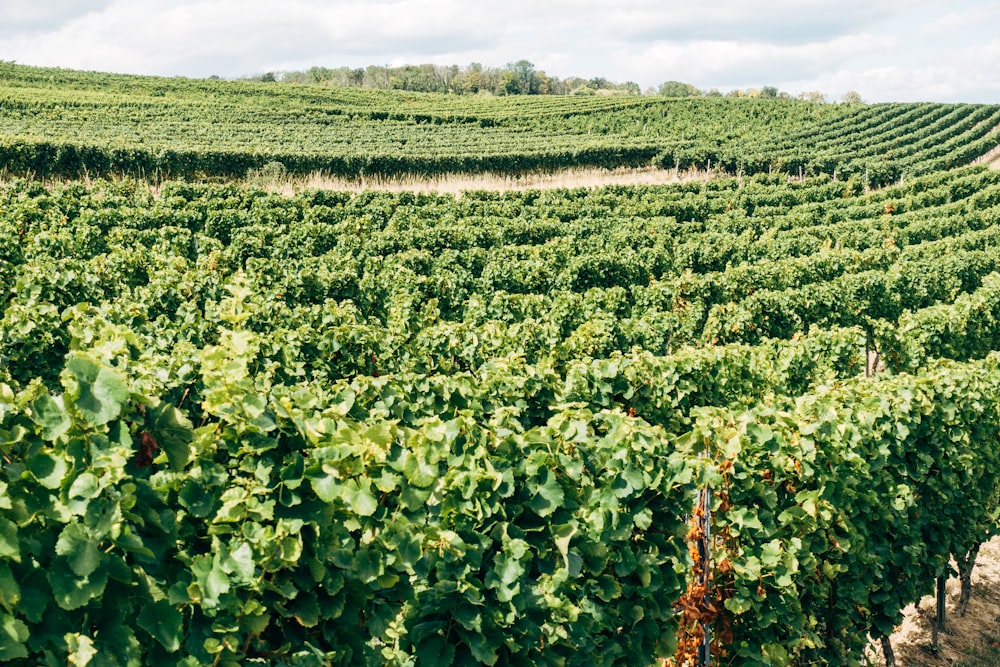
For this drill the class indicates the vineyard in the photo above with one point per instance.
(61, 123)
(243, 428)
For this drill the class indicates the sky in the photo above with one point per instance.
(886, 50)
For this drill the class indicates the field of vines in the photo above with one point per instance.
(240, 428)
(68, 124)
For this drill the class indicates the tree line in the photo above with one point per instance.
(515, 78)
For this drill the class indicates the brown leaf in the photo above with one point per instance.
(147, 450)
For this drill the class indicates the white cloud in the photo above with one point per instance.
(244, 36)
(732, 64)
(777, 21)
(21, 16)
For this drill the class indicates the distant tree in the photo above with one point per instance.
(374, 77)
(678, 89)
(340, 77)
(524, 76)
(509, 84)
(470, 80)
(517, 78)
(769, 92)
(813, 96)
(557, 86)
(852, 97)
(319, 74)
(449, 76)
(492, 78)
(544, 84)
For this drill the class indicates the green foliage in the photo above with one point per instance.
(397, 428)
(678, 89)
(157, 128)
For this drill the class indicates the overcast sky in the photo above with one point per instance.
(888, 50)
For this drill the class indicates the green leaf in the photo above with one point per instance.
(13, 634)
(241, 562)
(776, 654)
(608, 588)
(81, 649)
(99, 393)
(9, 545)
(643, 519)
(381, 433)
(358, 494)
(481, 650)
(738, 605)
(327, 488)
(71, 591)
(667, 645)
(761, 433)
(902, 430)
(85, 486)
(80, 550)
(172, 431)
(770, 553)
(102, 515)
(366, 565)
(10, 591)
(257, 621)
(196, 499)
(48, 413)
(211, 579)
(435, 651)
(164, 622)
(35, 596)
(417, 471)
(408, 546)
(305, 609)
(6, 400)
(469, 617)
(562, 536)
(548, 497)
(49, 470)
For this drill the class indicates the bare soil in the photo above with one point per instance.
(455, 184)
(972, 640)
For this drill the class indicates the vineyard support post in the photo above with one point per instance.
(868, 352)
(705, 556)
(887, 652)
(941, 601)
(939, 618)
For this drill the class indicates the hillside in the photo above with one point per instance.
(63, 123)
(575, 426)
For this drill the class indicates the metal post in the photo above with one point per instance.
(940, 602)
(705, 556)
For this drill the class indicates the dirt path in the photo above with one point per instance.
(456, 183)
(965, 638)
(992, 157)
